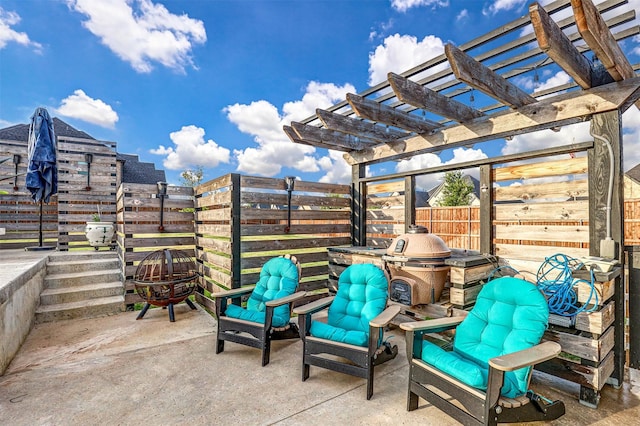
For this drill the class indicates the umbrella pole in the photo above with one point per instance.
(40, 233)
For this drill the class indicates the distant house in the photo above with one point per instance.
(632, 183)
(436, 194)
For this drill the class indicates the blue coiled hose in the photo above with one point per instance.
(555, 280)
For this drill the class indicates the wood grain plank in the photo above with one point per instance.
(331, 137)
(567, 166)
(381, 113)
(422, 97)
(479, 76)
(595, 32)
(358, 128)
(557, 45)
(560, 110)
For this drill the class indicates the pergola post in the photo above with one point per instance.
(409, 202)
(236, 253)
(486, 209)
(358, 206)
(606, 196)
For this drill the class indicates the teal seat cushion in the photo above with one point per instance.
(509, 315)
(278, 278)
(362, 296)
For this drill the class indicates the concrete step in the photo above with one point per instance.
(69, 266)
(83, 309)
(52, 296)
(82, 278)
(72, 256)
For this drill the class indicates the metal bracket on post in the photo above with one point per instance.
(289, 183)
(162, 194)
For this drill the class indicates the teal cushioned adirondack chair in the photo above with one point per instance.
(268, 309)
(489, 366)
(354, 327)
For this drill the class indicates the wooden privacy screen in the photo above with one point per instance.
(241, 223)
(138, 218)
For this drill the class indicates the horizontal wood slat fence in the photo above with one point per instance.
(138, 226)
(241, 222)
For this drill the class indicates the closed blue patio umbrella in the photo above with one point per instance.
(42, 170)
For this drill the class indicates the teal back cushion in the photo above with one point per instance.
(362, 295)
(278, 278)
(509, 315)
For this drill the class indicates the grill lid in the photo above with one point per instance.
(418, 243)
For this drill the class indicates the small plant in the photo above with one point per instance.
(96, 217)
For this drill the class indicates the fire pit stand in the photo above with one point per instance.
(165, 278)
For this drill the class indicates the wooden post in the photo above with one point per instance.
(409, 202)
(486, 209)
(236, 264)
(609, 126)
(358, 206)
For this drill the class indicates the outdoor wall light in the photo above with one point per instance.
(290, 182)
(162, 194)
(16, 161)
(88, 158)
(484, 188)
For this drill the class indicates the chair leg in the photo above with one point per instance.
(219, 342)
(412, 399)
(266, 350)
(305, 370)
(370, 380)
(220, 346)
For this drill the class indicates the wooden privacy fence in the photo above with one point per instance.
(538, 209)
(86, 186)
(81, 194)
(138, 226)
(241, 222)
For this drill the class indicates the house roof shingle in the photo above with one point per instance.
(136, 171)
(20, 132)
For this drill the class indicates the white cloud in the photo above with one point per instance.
(264, 122)
(337, 169)
(577, 133)
(400, 53)
(404, 5)
(190, 149)
(424, 161)
(463, 15)
(85, 108)
(631, 137)
(7, 34)
(636, 51)
(149, 34)
(501, 5)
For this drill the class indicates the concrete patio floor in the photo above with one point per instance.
(116, 370)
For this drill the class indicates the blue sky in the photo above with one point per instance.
(210, 83)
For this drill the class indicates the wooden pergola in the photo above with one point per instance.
(422, 111)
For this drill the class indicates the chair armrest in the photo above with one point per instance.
(287, 299)
(385, 316)
(313, 307)
(527, 357)
(434, 325)
(234, 292)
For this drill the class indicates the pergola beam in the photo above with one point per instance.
(559, 110)
(422, 97)
(353, 126)
(557, 45)
(595, 32)
(295, 138)
(479, 76)
(381, 113)
(315, 134)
